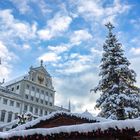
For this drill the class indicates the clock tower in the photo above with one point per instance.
(40, 76)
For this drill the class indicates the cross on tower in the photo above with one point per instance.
(109, 26)
(41, 62)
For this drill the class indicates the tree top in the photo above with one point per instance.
(109, 26)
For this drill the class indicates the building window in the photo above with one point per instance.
(38, 90)
(32, 98)
(42, 91)
(50, 104)
(17, 87)
(46, 102)
(46, 112)
(9, 117)
(16, 115)
(3, 112)
(12, 88)
(5, 101)
(47, 93)
(17, 104)
(26, 96)
(27, 86)
(33, 88)
(11, 103)
(25, 107)
(41, 101)
(31, 109)
(36, 110)
(37, 100)
(41, 111)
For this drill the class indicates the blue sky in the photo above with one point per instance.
(68, 36)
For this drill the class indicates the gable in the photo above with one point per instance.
(40, 76)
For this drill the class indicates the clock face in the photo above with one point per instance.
(40, 78)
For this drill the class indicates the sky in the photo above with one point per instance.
(68, 36)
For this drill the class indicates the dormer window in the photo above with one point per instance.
(27, 86)
(12, 88)
(17, 87)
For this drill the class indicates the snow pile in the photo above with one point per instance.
(81, 128)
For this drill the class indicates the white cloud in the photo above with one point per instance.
(135, 65)
(135, 51)
(53, 54)
(13, 29)
(49, 57)
(43, 7)
(22, 6)
(26, 47)
(94, 10)
(95, 51)
(45, 34)
(6, 58)
(58, 49)
(80, 35)
(90, 7)
(55, 26)
(75, 67)
(76, 63)
(135, 23)
(77, 89)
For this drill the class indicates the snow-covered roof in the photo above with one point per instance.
(30, 113)
(15, 80)
(10, 124)
(81, 128)
(6, 90)
(54, 114)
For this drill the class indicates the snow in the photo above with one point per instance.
(87, 114)
(31, 114)
(57, 113)
(9, 124)
(15, 80)
(81, 128)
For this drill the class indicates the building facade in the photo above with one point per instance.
(32, 93)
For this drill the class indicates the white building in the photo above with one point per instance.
(33, 93)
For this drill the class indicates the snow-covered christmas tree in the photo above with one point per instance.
(119, 98)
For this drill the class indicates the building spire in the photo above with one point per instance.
(2, 81)
(69, 108)
(41, 63)
(109, 26)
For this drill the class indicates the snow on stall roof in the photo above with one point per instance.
(53, 114)
(15, 80)
(30, 113)
(9, 124)
(81, 128)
